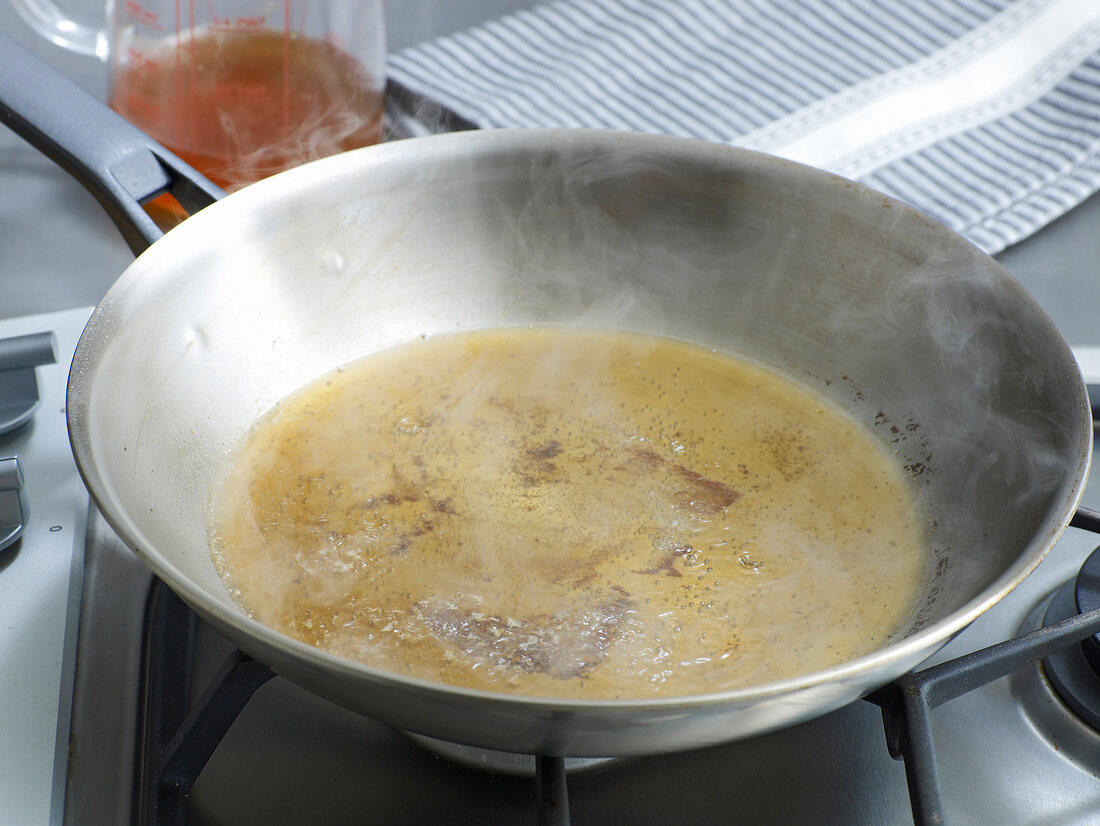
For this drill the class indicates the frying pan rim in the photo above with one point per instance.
(927, 640)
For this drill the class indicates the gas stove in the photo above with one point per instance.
(103, 665)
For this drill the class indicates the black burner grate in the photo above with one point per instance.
(176, 742)
(908, 702)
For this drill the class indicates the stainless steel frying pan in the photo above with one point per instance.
(889, 314)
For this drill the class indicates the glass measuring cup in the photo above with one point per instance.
(240, 89)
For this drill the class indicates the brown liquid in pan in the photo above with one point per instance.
(574, 514)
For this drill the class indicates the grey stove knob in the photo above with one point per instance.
(13, 502)
(18, 387)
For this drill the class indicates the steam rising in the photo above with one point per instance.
(911, 332)
(893, 318)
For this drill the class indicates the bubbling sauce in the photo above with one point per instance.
(567, 513)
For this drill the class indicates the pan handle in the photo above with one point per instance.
(118, 163)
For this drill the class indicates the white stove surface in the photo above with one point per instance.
(40, 580)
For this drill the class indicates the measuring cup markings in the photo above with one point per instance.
(142, 15)
(229, 24)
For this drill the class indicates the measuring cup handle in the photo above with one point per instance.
(54, 24)
(115, 161)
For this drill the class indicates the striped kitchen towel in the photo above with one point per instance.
(983, 113)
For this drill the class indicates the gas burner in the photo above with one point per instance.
(1074, 672)
(503, 762)
(1051, 724)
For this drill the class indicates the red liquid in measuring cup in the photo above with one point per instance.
(242, 106)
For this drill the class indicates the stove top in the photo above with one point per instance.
(1009, 751)
(40, 585)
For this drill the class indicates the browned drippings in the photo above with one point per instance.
(569, 513)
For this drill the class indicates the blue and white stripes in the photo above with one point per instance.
(999, 182)
(983, 113)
